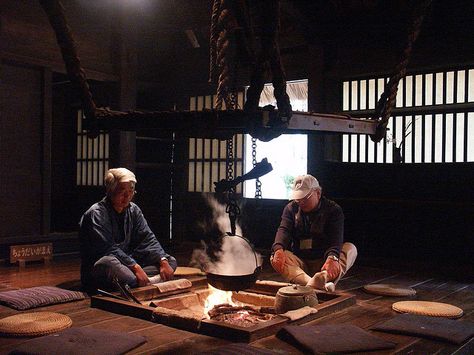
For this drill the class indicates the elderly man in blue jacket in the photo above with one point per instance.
(116, 241)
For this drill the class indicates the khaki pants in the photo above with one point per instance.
(299, 271)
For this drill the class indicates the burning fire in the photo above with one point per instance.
(218, 297)
(220, 307)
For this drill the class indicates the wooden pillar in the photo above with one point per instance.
(123, 143)
(316, 103)
(47, 142)
(324, 93)
(122, 149)
(333, 90)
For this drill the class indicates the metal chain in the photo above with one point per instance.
(258, 184)
(232, 208)
(230, 159)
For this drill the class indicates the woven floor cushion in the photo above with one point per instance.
(81, 341)
(389, 290)
(439, 328)
(33, 297)
(34, 324)
(332, 338)
(427, 308)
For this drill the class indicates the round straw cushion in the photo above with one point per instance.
(389, 290)
(34, 324)
(426, 308)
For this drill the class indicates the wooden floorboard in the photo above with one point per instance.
(369, 310)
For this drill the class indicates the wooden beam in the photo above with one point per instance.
(55, 66)
(419, 110)
(222, 124)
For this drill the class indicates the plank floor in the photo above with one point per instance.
(161, 339)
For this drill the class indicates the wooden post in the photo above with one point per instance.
(47, 142)
(123, 143)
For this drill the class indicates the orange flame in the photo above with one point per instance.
(217, 297)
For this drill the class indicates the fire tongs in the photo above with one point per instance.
(125, 290)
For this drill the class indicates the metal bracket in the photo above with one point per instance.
(333, 123)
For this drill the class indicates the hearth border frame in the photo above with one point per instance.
(332, 303)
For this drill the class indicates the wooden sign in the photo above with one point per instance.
(31, 252)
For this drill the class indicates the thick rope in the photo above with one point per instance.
(213, 40)
(267, 14)
(226, 55)
(388, 98)
(55, 12)
(278, 74)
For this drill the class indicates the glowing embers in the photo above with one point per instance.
(244, 316)
(215, 298)
(220, 306)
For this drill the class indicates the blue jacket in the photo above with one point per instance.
(100, 236)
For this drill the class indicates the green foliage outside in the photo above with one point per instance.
(288, 180)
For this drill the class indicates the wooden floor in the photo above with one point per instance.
(368, 310)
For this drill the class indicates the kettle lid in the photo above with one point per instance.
(296, 290)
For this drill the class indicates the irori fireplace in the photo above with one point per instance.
(252, 319)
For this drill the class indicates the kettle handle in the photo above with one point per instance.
(250, 244)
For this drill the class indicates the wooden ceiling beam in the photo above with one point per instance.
(225, 123)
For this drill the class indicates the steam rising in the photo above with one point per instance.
(235, 257)
(221, 218)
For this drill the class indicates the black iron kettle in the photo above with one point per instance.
(238, 282)
(235, 282)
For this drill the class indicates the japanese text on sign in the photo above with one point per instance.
(30, 252)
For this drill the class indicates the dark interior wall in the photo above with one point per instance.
(38, 123)
(421, 211)
(27, 35)
(63, 197)
(21, 98)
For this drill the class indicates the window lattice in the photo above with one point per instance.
(92, 156)
(433, 121)
(207, 157)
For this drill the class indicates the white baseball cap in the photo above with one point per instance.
(302, 186)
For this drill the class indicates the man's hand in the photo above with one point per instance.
(142, 277)
(166, 271)
(278, 260)
(333, 268)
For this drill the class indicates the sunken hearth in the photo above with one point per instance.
(242, 316)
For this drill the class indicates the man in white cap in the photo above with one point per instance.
(116, 241)
(309, 246)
